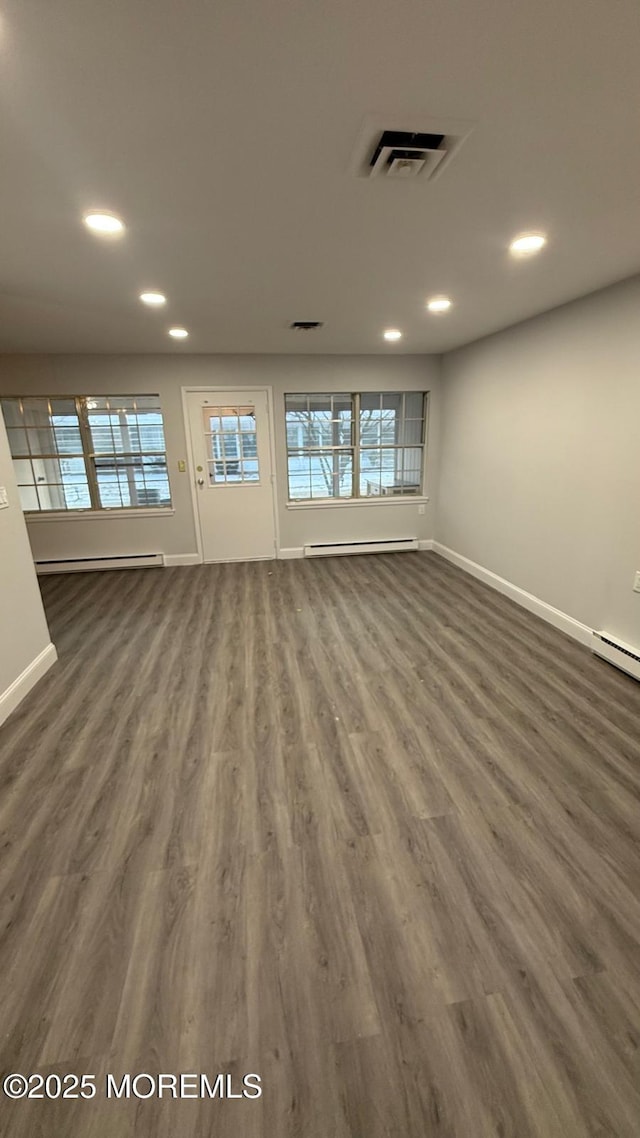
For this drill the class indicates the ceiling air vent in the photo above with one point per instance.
(403, 154)
(305, 325)
(418, 148)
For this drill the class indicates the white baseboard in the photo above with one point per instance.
(182, 559)
(290, 554)
(425, 543)
(16, 691)
(556, 617)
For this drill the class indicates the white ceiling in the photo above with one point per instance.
(224, 134)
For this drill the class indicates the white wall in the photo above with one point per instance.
(166, 375)
(539, 478)
(24, 636)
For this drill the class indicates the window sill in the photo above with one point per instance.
(351, 503)
(103, 515)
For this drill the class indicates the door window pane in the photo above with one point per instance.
(231, 445)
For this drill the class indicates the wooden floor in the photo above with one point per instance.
(358, 825)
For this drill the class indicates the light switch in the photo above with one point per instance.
(182, 466)
(4, 501)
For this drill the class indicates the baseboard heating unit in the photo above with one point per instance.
(85, 564)
(395, 545)
(622, 655)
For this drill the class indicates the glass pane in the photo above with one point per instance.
(378, 422)
(153, 484)
(320, 403)
(150, 402)
(151, 432)
(18, 442)
(23, 472)
(414, 405)
(392, 401)
(250, 470)
(318, 429)
(411, 469)
(77, 495)
(378, 471)
(296, 403)
(67, 437)
(42, 440)
(371, 484)
(36, 412)
(73, 468)
(342, 405)
(47, 470)
(102, 439)
(370, 401)
(28, 497)
(12, 413)
(64, 407)
(118, 403)
(110, 493)
(331, 474)
(249, 444)
(51, 498)
(129, 436)
(299, 469)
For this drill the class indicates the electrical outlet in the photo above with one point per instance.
(636, 582)
(4, 501)
(421, 509)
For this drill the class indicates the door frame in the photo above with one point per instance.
(267, 390)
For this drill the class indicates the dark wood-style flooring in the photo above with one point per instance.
(360, 826)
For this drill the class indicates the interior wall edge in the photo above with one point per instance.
(560, 620)
(28, 678)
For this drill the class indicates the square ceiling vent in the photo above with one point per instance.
(407, 150)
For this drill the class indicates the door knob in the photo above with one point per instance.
(201, 482)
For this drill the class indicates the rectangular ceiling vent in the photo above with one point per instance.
(403, 154)
(415, 149)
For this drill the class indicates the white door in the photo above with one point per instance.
(232, 470)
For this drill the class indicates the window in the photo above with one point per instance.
(93, 452)
(364, 445)
(231, 442)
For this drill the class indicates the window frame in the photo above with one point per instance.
(90, 456)
(356, 447)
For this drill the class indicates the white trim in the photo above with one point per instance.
(103, 515)
(34, 671)
(289, 554)
(182, 559)
(350, 503)
(425, 543)
(561, 620)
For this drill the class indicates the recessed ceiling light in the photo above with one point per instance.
(107, 224)
(393, 334)
(178, 333)
(439, 304)
(154, 299)
(526, 244)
